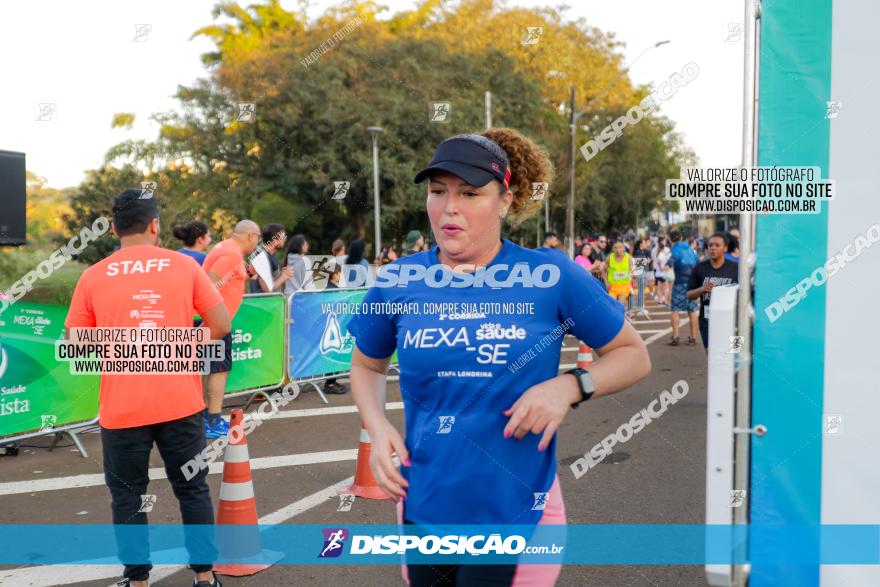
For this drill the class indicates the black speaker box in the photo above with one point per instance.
(12, 198)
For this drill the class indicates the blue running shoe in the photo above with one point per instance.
(216, 429)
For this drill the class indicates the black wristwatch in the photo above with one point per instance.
(585, 384)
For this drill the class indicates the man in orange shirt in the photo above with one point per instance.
(226, 267)
(144, 286)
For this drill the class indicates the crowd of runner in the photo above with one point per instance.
(679, 273)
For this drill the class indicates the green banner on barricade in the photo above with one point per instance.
(318, 340)
(36, 391)
(258, 343)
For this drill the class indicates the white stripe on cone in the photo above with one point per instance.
(236, 491)
(236, 453)
(365, 437)
(585, 356)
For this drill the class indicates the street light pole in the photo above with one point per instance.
(375, 130)
(546, 215)
(488, 110)
(569, 213)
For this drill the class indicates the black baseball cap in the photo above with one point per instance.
(474, 158)
(133, 210)
(132, 199)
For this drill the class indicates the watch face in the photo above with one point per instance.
(586, 382)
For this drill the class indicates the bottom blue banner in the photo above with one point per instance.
(386, 544)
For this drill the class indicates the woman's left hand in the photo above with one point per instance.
(540, 409)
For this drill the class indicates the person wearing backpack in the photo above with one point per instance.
(683, 260)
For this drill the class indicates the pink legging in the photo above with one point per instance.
(527, 575)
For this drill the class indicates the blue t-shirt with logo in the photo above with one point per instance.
(462, 366)
(197, 255)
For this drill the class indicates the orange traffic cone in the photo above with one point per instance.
(585, 356)
(364, 484)
(239, 506)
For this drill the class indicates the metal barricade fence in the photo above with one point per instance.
(314, 379)
(262, 390)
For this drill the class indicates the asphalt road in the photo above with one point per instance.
(657, 477)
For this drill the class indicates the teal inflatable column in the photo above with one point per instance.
(787, 390)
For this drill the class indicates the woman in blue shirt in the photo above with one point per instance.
(482, 392)
(196, 238)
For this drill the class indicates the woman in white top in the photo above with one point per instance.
(663, 273)
(300, 265)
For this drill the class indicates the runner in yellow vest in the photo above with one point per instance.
(619, 273)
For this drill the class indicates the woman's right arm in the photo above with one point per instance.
(368, 388)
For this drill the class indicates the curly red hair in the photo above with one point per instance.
(529, 163)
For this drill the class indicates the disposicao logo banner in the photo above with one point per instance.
(310, 544)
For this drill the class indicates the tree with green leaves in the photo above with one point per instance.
(283, 114)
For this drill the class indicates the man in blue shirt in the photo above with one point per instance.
(732, 253)
(683, 259)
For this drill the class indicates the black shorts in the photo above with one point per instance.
(460, 575)
(225, 365)
(704, 331)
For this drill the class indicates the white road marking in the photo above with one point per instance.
(92, 480)
(658, 335)
(278, 517)
(306, 503)
(302, 413)
(306, 412)
(48, 575)
(649, 340)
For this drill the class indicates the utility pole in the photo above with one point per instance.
(488, 110)
(569, 212)
(546, 215)
(375, 130)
